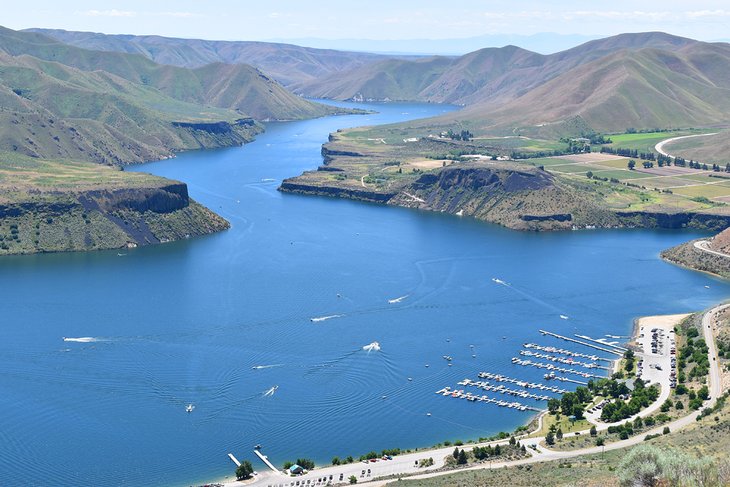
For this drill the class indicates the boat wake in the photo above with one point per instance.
(267, 180)
(324, 318)
(370, 347)
(270, 392)
(259, 367)
(499, 281)
(397, 300)
(84, 339)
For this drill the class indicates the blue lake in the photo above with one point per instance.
(187, 322)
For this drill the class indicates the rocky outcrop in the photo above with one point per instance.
(290, 186)
(687, 255)
(163, 199)
(329, 154)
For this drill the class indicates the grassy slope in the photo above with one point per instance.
(286, 63)
(713, 149)
(194, 86)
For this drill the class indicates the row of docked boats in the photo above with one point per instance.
(555, 368)
(460, 394)
(486, 386)
(562, 360)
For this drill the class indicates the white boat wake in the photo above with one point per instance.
(271, 391)
(499, 281)
(398, 300)
(563, 317)
(325, 318)
(83, 339)
(268, 180)
(259, 367)
(370, 347)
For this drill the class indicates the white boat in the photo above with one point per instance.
(189, 408)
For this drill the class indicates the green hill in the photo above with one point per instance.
(192, 85)
(286, 63)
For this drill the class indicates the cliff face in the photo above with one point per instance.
(517, 197)
(103, 219)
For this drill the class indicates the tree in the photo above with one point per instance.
(553, 405)
(287, 465)
(456, 453)
(305, 463)
(593, 431)
(600, 441)
(353, 479)
(244, 470)
(589, 174)
(550, 438)
(461, 460)
(632, 164)
(512, 440)
(559, 434)
(336, 461)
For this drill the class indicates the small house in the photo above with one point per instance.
(296, 469)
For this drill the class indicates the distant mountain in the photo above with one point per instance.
(491, 73)
(284, 62)
(645, 88)
(64, 102)
(239, 87)
(544, 43)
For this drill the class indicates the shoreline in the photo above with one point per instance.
(666, 321)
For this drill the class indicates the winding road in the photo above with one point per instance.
(660, 146)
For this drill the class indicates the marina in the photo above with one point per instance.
(521, 383)
(503, 390)
(555, 368)
(567, 361)
(562, 351)
(460, 394)
(568, 339)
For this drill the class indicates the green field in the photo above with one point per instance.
(645, 142)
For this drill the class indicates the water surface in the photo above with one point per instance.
(187, 322)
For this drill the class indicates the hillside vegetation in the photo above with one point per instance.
(286, 63)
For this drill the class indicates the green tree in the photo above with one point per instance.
(600, 441)
(553, 405)
(305, 463)
(244, 470)
(353, 479)
(550, 438)
(593, 431)
(336, 461)
(631, 164)
(559, 434)
(461, 459)
(456, 453)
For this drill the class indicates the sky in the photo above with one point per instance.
(372, 19)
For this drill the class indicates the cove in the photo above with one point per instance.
(219, 321)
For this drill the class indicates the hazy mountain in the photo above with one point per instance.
(491, 73)
(284, 62)
(246, 89)
(544, 43)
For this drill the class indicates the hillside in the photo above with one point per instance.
(286, 63)
(250, 91)
(491, 74)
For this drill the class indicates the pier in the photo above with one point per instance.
(584, 337)
(266, 461)
(503, 390)
(580, 342)
(460, 394)
(521, 383)
(555, 368)
(552, 376)
(562, 351)
(234, 459)
(567, 361)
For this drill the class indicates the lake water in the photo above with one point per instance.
(187, 322)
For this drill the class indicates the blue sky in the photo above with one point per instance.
(372, 19)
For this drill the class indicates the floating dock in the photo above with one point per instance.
(234, 459)
(555, 368)
(521, 383)
(562, 351)
(503, 390)
(602, 342)
(460, 394)
(566, 361)
(603, 349)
